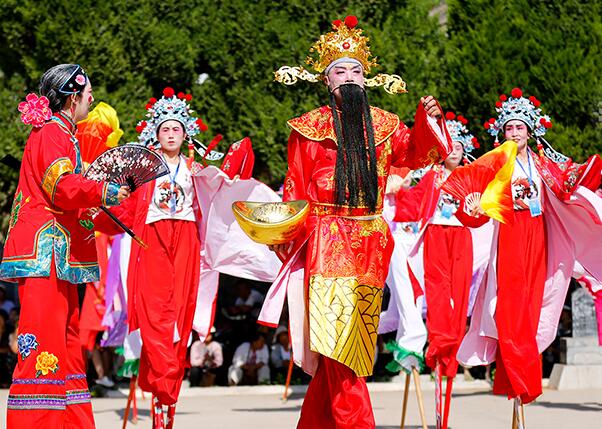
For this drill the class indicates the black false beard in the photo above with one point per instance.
(356, 179)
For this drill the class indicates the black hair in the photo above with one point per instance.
(356, 178)
(52, 81)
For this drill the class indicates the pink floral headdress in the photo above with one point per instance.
(35, 110)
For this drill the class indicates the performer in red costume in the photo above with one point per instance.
(163, 280)
(557, 221)
(447, 257)
(339, 158)
(49, 250)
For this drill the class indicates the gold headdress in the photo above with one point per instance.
(345, 41)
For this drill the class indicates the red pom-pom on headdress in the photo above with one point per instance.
(140, 127)
(517, 93)
(188, 97)
(168, 92)
(450, 116)
(152, 100)
(351, 21)
(337, 23)
(181, 95)
(503, 97)
(462, 120)
(498, 104)
(202, 126)
(148, 106)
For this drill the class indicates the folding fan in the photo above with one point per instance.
(486, 183)
(131, 165)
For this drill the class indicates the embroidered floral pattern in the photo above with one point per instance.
(18, 204)
(46, 363)
(26, 343)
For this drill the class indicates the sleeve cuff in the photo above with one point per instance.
(109, 194)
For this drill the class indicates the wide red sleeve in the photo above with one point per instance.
(423, 144)
(409, 202)
(299, 169)
(65, 188)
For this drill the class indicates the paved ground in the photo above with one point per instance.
(248, 408)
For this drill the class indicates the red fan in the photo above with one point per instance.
(485, 184)
(131, 165)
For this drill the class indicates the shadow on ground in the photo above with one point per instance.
(585, 406)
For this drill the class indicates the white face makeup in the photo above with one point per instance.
(345, 72)
(518, 131)
(171, 136)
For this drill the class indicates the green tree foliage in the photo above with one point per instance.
(550, 49)
(133, 49)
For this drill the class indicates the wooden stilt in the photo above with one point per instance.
(406, 394)
(438, 397)
(522, 415)
(514, 422)
(134, 400)
(171, 414)
(289, 374)
(131, 395)
(419, 396)
(448, 394)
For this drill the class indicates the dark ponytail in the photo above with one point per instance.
(52, 81)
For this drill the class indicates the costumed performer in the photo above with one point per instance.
(50, 248)
(339, 157)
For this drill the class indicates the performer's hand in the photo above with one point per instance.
(431, 107)
(123, 193)
(280, 248)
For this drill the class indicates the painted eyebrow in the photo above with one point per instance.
(355, 67)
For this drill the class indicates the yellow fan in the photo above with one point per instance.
(486, 183)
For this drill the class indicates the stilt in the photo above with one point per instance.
(419, 396)
(131, 397)
(448, 394)
(158, 422)
(289, 374)
(406, 393)
(134, 400)
(438, 396)
(171, 413)
(518, 421)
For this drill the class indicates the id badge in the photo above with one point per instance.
(447, 211)
(534, 207)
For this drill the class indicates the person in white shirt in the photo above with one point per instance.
(250, 363)
(205, 357)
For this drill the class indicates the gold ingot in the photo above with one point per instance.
(271, 223)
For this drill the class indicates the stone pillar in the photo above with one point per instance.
(580, 364)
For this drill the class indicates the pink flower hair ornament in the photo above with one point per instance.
(35, 110)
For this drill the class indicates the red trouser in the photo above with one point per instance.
(336, 399)
(166, 284)
(521, 275)
(49, 387)
(447, 276)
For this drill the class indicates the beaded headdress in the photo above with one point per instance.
(456, 125)
(523, 109)
(344, 42)
(169, 107)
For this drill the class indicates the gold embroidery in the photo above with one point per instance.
(344, 318)
(318, 125)
(53, 173)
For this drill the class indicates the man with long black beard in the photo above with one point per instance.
(335, 270)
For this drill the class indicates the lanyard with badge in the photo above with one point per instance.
(172, 188)
(534, 204)
(447, 209)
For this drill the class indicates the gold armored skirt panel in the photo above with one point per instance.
(271, 223)
(343, 321)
